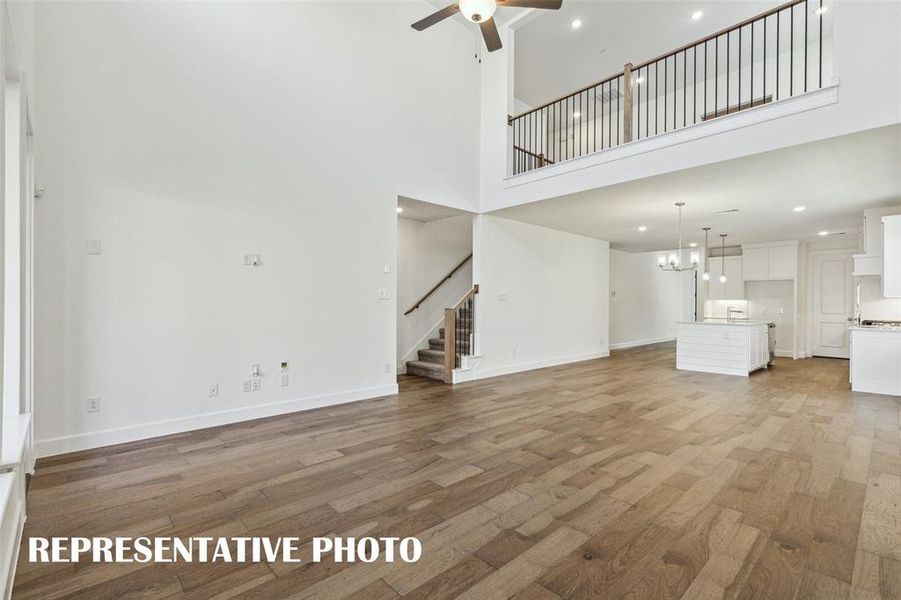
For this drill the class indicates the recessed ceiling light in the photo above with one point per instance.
(821, 10)
(693, 245)
(799, 208)
(823, 233)
(577, 114)
(400, 209)
(642, 228)
(576, 23)
(697, 15)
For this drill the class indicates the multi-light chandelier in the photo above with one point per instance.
(674, 261)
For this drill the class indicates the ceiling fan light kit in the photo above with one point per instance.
(481, 12)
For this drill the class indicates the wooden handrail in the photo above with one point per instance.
(646, 63)
(467, 296)
(540, 157)
(438, 285)
(450, 334)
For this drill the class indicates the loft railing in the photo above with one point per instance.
(435, 287)
(767, 58)
(459, 332)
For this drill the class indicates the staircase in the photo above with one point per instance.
(434, 362)
(431, 360)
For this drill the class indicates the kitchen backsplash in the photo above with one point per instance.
(873, 306)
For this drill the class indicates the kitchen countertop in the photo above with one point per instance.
(714, 321)
(862, 328)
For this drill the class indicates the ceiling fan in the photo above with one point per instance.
(481, 12)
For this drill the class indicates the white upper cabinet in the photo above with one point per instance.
(870, 261)
(756, 263)
(891, 256)
(777, 260)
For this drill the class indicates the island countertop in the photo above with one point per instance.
(714, 321)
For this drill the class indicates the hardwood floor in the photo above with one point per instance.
(616, 478)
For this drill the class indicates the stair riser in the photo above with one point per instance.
(432, 356)
(425, 373)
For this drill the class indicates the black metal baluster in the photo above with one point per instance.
(778, 58)
(716, 79)
(806, 19)
(752, 64)
(638, 103)
(763, 96)
(609, 114)
(694, 87)
(684, 87)
(821, 45)
(728, 67)
(656, 95)
(791, 53)
(647, 102)
(665, 87)
(618, 118)
(740, 46)
(706, 82)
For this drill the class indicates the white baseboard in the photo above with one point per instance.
(141, 431)
(635, 344)
(788, 354)
(519, 368)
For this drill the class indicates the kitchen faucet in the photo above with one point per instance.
(730, 310)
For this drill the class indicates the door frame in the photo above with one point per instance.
(811, 255)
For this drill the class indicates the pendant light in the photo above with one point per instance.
(674, 263)
(706, 275)
(723, 259)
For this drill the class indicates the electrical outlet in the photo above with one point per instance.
(93, 404)
(283, 379)
(255, 260)
(245, 385)
(256, 384)
(212, 390)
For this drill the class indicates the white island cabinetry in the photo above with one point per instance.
(721, 346)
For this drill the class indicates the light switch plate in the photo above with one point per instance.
(94, 248)
(93, 404)
(283, 379)
(245, 385)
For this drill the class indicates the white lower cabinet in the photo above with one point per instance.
(876, 361)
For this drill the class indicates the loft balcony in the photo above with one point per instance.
(780, 54)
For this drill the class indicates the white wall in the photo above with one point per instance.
(646, 302)
(181, 135)
(543, 296)
(12, 258)
(426, 252)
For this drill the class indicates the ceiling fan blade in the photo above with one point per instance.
(492, 37)
(544, 4)
(437, 17)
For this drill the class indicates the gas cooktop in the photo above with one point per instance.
(881, 324)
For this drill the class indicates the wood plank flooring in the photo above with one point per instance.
(615, 478)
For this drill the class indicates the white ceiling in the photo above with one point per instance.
(553, 59)
(835, 179)
(417, 210)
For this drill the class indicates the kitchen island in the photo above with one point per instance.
(724, 346)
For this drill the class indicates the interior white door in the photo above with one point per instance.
(832, 304)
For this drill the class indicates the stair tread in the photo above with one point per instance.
(425, 365)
